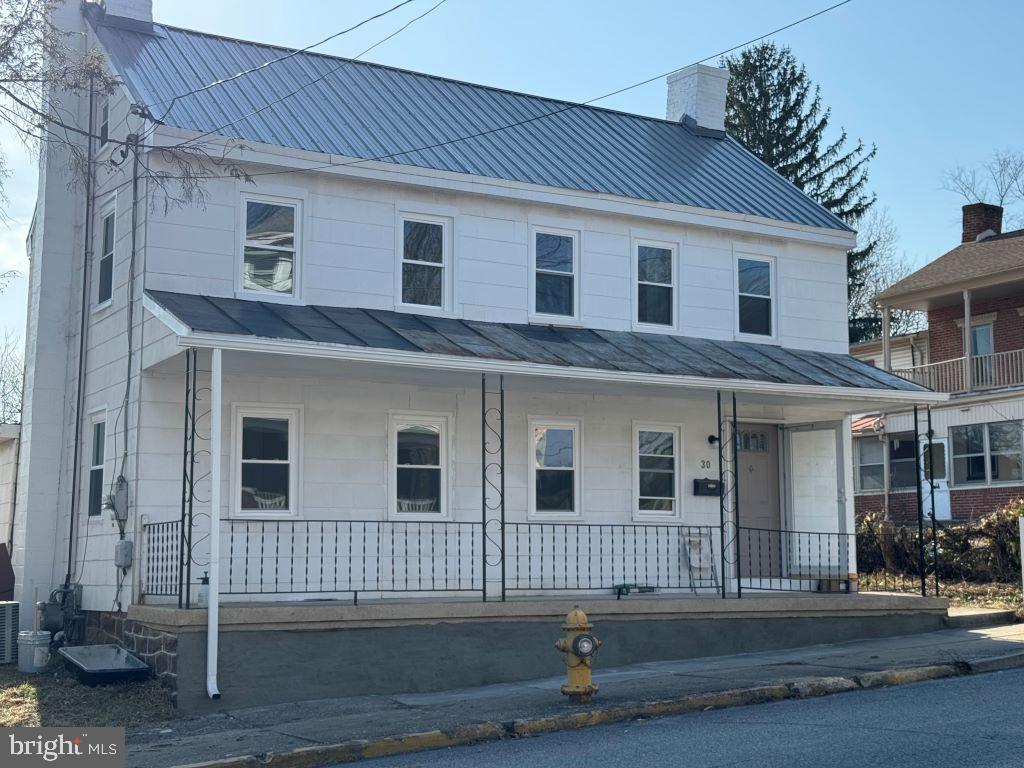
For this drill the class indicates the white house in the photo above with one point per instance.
(427, 348)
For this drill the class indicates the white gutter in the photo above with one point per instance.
(213, 611)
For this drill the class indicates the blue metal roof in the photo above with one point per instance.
(544, 344)
(365, 110)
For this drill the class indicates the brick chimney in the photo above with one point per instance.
(982, 220)
(696, 96)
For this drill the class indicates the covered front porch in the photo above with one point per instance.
(361, 480)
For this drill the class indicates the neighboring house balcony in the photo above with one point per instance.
(961, 375)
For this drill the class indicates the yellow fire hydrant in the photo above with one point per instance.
(579, 647)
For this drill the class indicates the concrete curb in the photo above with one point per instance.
(801, 688)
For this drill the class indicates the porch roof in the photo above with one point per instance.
(618, 352)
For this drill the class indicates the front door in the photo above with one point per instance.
(759, 501)
(940, 483)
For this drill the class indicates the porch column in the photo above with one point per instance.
(886, 348)
(213, 612)
(968, 352)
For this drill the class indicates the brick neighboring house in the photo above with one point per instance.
(974, 298)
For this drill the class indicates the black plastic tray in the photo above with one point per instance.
(104, 664)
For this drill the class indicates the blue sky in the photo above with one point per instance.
(933, 84)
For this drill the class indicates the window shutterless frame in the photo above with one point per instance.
(424, 280)
(657, 465)
(554, 275)
(97, 463)
(555, 468)
(655, 281)
(259, 460)
(987, 454)
(756, 296)
(104, 122)
(269, 262)
(106, 240)
(418, 466)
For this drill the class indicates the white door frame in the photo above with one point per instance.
(940, 486)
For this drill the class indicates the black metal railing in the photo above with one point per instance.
(621, 558)
(161, 558)
(796, 561)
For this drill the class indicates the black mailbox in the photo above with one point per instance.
(705, 486)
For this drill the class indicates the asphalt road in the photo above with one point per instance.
(961, 722)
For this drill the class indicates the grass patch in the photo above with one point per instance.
(1006, 596)
(56, 698)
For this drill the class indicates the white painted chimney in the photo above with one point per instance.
(696, 96)
(140, 10)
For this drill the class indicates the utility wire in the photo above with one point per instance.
(566, 108)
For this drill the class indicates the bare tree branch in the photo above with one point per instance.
(999, 180)
(12, 365)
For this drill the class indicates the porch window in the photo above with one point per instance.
(96, 464)
(555, 268)
(655, 303)
(266, 445)
(754, 284)
(423, 262)
(105, 280)
(988, 453)
(554, 458)
(270, 248)
(419, 450)
(656, 470)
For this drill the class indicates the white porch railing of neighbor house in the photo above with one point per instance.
(333, 559)
(1000, 369)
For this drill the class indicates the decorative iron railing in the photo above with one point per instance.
(796, 561)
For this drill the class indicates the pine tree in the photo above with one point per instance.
(775, 111)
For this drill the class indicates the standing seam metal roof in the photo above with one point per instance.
(365, 110)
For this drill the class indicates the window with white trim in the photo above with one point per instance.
(105, 263)
(97, 463)
(555, 468)
(988, 453)
(424, 262)
(555, 264)
(266, 447)
(270, 250)
(655, 288)
(754, 282)
(104, 122)
(870, 463)
(657, 449)
(418, 465)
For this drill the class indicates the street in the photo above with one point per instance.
(967, 721)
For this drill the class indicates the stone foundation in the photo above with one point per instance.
(156, 647)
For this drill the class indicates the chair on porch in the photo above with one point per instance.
(699, 552)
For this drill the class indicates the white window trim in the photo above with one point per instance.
(531, 474)
(97, 416)
(241, 292)
(447, 263)
(577, 239)
(109, 208)
(655, 426)
(103, 119)
(441, 420)
(674, 248)
(293, 413)
(988, 482)
(751, 255)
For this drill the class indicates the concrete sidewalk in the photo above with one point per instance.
(537, 706)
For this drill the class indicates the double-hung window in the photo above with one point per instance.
(556, 264)
(656, 470)
(105, 278)
(555, 468)
(104, 122)
(754, 282)
(96, 464)
(870, 452)
(270, 250)
(655, 294)
(870, 464)
(424, 261)
(988, 453)
(419, 451)
(902, 461)
(267, 450)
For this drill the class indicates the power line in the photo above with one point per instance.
(567, 107)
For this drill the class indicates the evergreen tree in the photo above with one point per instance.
(775, 111)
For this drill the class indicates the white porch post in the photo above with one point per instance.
(886, 347)
(213, 612)
(968, 383)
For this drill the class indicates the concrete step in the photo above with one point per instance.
(972, 618)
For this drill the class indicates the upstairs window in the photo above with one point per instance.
(104, 122)
(655, 304)
(105, 278)
(754, 283)
(270, 248)
(96, 464)
(554, 477)
(555, 273)
(424, 247)
(419, 451)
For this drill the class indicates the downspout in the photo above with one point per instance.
(213, 611)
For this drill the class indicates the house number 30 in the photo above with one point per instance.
(705, 463)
